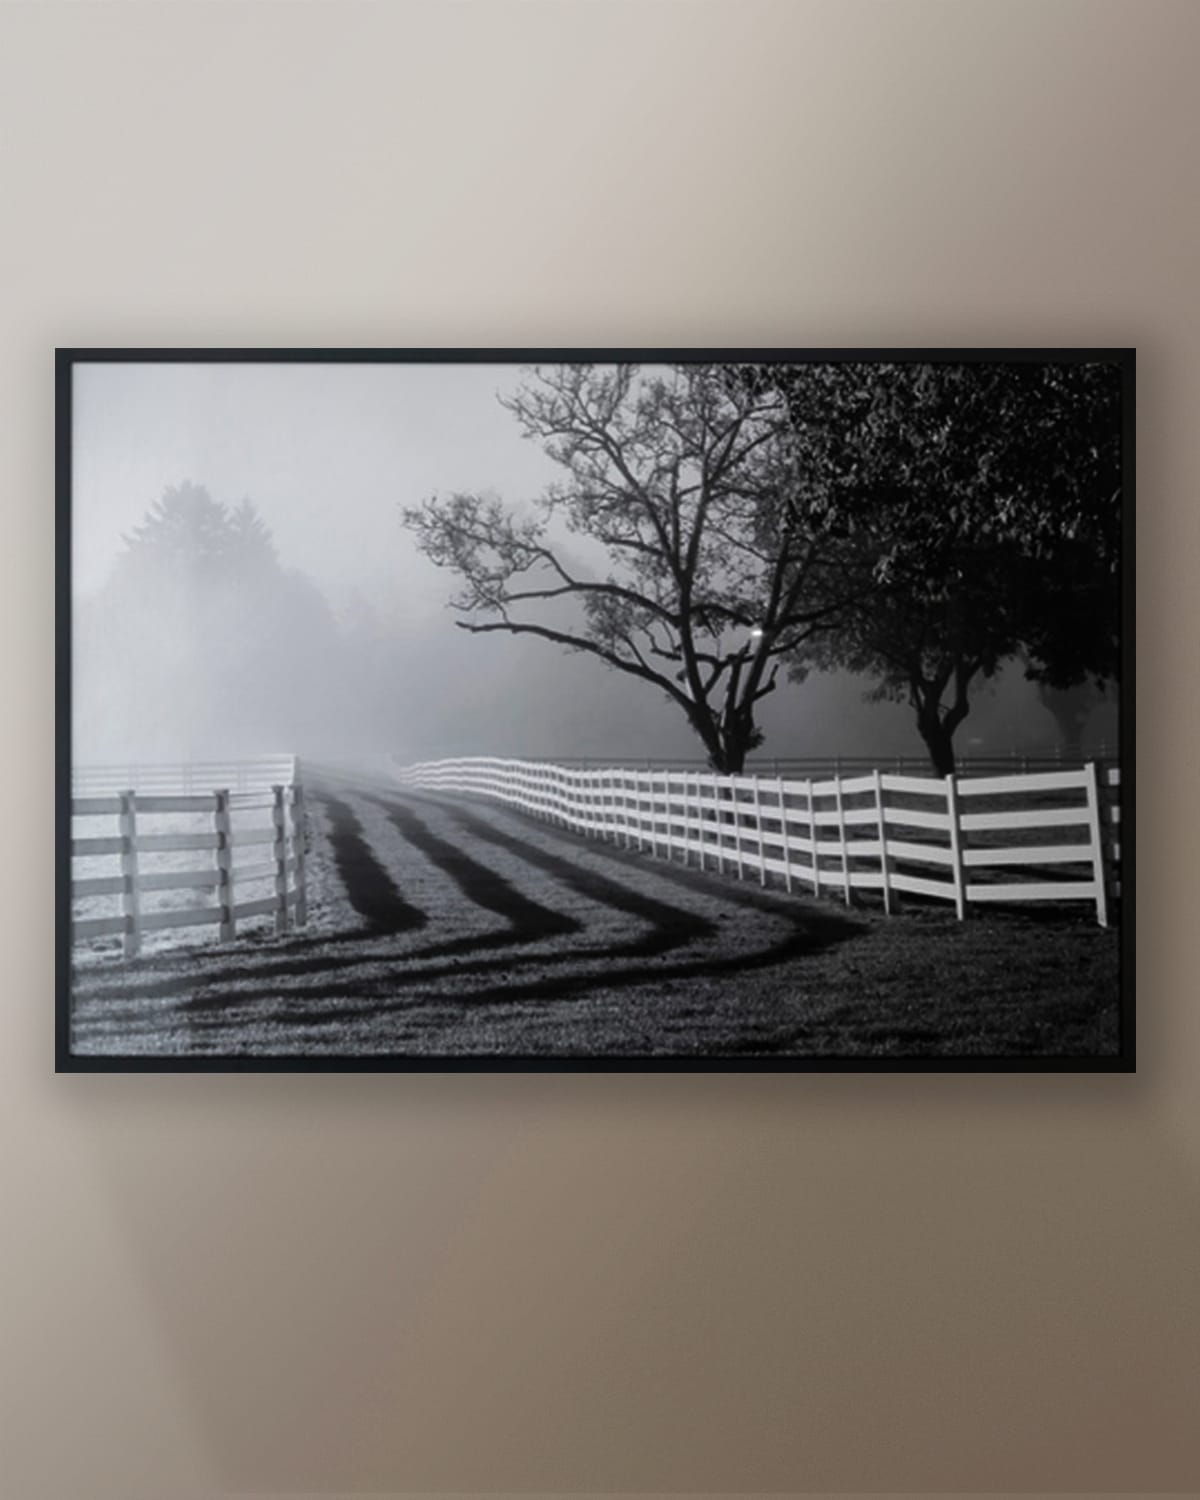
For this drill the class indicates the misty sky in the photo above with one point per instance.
(327, 453)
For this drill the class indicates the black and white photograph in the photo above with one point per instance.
(748, 709)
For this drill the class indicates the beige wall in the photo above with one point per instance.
(390, 1284)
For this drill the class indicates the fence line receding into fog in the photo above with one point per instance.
(259, 773)
(969, 840)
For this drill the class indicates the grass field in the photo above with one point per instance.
(443, 928)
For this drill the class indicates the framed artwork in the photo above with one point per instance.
(595, 709)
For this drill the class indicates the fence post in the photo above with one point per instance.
(735, 806)
(1110, 822)
(298, 862)
(645, 800)
(279, 849)
(762, 852)
(785, 836)
(224, 831)
(719, 815)
(956, 847)
(841, 817)
(1096, 839)
(885, 874)
(812, 834)
(131, 905)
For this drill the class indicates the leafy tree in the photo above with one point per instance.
(189, 536)
(200, 637)
(250, 539)
(681, 546)
(979, 509)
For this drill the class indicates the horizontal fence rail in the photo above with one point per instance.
(258, 774)
(267, 825)
(971, 840)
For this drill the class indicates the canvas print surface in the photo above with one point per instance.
(679, 709)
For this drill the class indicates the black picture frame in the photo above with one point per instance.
(68, 360)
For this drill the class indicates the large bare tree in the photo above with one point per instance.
(683, 544)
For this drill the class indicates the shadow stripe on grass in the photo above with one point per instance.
(311, 1009)
(575, 987)
(528, 919)
(716, 887)
(370, 890)
(671, 926)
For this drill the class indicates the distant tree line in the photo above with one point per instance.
(201, 641)
(716, 526)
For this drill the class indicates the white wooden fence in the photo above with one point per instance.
(136, 813)
(1037, 836)
(259, 773)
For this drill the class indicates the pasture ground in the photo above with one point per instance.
(444, 928)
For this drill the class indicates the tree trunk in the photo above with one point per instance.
(935, 724)
(727, 752)
(738, 737)
(727, 738)
(730, 760)
(939, 741)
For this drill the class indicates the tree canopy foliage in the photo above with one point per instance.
(980, 508)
